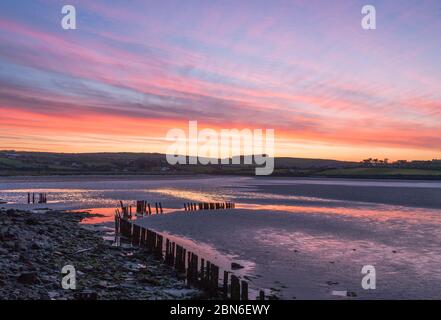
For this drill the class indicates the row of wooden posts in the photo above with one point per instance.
(142, 208)
(42, 197)
(200, 273)
(208, 206)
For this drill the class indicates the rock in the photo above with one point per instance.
(150, 281)
(351, 294)
(20, 246)
(86, 295)
(35, 246)
(235, 266)
(32, 221)
(28, 278)
(9, 244)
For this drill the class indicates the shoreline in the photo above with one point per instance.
(144, 177)
(35, 247)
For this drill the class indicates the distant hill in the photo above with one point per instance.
(43, 163)
(15, 163)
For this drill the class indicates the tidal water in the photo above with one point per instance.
(296, 238)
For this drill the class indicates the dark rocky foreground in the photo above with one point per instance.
(34, 247)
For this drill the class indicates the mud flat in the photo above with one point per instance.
(34, 247)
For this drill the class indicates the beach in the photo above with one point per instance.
(35, 247)
(293, 238)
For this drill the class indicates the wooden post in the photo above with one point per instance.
(225, 287)
(202, 272)
(167, 251)
(160, 207)
(184, 254)
(261, 295)
(136, 234)
(156, 205)
(213, 279)
(142, 242)
(173, 247)
(207, 278)
(195, 260)
(189, 268)
(235, 288)
(244, 295)
(159, 240)
(177, 257)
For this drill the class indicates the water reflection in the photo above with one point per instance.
(191, 195)
(378, 212)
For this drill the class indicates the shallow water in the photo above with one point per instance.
(291, 244)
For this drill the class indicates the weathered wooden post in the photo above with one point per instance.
(177, 258)
(225, 287)
(195, 262)
(142, 242)
(167, 251)
(202, 272)
(184, 254)
(244, 295)
(207, 278)
(172, 262)
(136, 234)
(159, 240)
(189, 268)
(215, 278)
(235, 288)
(261, 295)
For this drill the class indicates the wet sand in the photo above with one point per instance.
(424, 197)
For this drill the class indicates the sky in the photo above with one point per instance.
(132, 70)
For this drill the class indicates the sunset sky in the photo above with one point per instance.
(135, 69)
